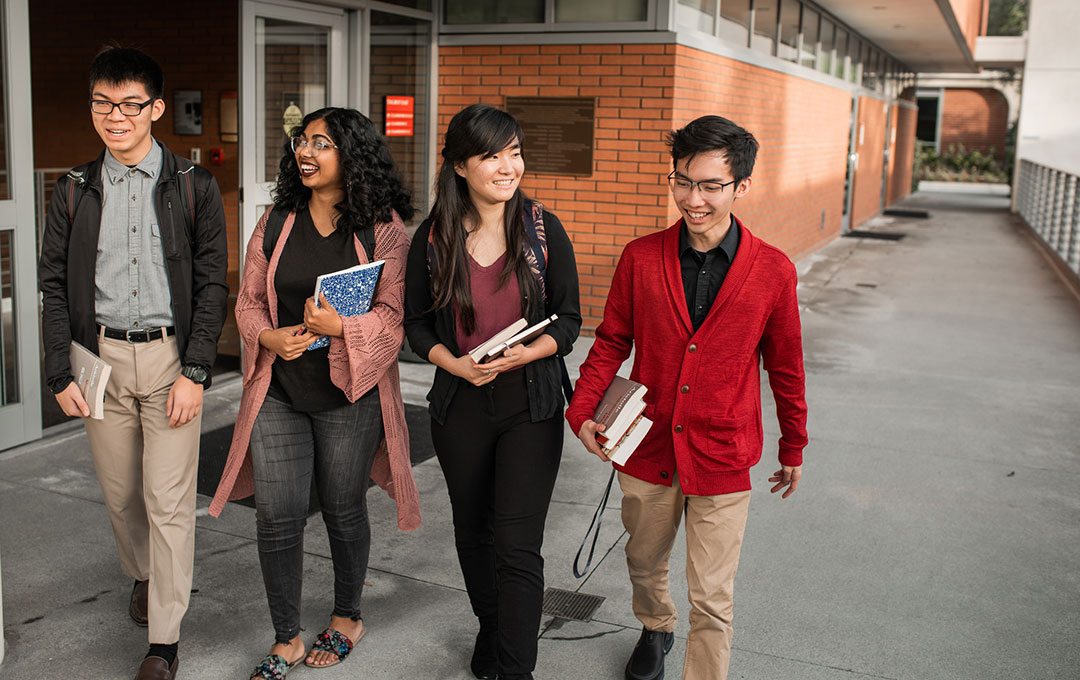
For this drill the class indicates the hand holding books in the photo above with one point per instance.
(619, 424)
(506, 350)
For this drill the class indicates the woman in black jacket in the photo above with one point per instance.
(485, 257)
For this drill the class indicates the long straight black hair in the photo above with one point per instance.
(478, 130)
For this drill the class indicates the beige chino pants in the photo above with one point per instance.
(714, 534)
(147, 472)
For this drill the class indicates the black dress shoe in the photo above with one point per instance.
(647, 661)
(138, 605)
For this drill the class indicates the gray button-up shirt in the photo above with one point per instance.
(132, 287)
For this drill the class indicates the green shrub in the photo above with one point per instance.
(957, 165)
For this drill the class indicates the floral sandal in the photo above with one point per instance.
(274, 667)
(335, 643)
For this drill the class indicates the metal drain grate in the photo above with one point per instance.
(566, 604)
(879, 235)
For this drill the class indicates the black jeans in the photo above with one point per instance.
(500, 470)
(287, 448)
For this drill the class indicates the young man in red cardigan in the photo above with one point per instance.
(702, 302)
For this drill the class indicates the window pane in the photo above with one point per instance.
(597, 11)
(735, 21)
(494, 12)
(841, 51)
(697, 15)
(400, 61)
(764, 25)
(810, 19)
(789, 30)
(828, 37)
(296, 79)
(870, 68)
(4, 165)
(855, 50)
(9, 374)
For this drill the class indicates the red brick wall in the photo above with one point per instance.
(976, 119)
(902, 158)
(199, 53)
(803, 131)
(870, 145)
(626, 195)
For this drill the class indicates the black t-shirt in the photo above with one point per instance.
(305, 382)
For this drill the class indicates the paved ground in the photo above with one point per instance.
(936, 533)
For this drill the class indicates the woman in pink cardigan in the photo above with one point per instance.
(334, 413)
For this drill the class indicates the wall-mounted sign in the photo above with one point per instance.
(187, 112)
(558, 133)
(399, 116)
(292, 117)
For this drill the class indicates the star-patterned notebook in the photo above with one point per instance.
(349, 291)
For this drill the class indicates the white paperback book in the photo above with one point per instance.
(91, 375)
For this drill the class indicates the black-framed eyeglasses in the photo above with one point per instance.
(707, 187)
(316, 147)
(105, 107)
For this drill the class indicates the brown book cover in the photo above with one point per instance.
(91, 375)
(623, 401)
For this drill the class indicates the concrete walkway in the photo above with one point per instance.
(936, 533)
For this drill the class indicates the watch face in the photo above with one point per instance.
(196, 374)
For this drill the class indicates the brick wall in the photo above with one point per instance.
(976, 119)
(870, 145)
(796, 199)
(902, 159)
(199, 53)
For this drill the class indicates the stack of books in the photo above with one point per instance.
(622, 413)
(513, 335)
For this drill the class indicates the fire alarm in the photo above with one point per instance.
(217, 156)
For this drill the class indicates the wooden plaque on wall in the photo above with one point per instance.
(558, 133)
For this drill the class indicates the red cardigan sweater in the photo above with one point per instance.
(704, 390)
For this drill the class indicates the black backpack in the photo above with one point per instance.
(276, 222)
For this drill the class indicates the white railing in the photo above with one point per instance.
(1049, 201)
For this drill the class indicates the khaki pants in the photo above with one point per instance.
(714, 533)
(147, 472)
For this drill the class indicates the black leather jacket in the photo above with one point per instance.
(196, 261)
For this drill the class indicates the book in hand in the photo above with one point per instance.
(91, 375)
(349, 292)
(513, 335)
(621, 412)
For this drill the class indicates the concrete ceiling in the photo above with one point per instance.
(924, 34)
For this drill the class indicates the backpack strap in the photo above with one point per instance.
(77, 178)
(536, 255)
(186, 192)
(272, 231)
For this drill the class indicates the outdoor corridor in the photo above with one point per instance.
(935, 533)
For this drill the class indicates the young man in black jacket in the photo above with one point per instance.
(133, 264)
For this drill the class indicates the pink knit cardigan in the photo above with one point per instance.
(366, 357)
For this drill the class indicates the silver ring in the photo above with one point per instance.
(489, 371)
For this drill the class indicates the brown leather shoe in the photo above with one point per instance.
(137, 608)
(154, 668)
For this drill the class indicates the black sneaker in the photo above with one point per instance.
(647, 661)
(485, 662)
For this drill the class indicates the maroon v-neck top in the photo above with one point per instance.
(496, 308)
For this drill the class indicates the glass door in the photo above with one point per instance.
(294, 60)
(20, 381)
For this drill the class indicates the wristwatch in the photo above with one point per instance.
(196, 374)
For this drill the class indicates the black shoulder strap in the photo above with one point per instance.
(274, 224)
(187, 195)
(594, 530)
(75, 190)
(367, 239)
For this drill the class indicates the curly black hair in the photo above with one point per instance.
(371, 182)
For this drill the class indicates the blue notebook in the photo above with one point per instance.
(349, 291)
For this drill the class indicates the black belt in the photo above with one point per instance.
(137, 335)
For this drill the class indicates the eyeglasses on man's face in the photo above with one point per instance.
(315, 147)
(105, 107)
(684, 185)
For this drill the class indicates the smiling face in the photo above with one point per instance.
(707, 215)
(493, 179)
(127, 137)
(322, 171)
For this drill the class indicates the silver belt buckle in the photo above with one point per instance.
(133, 333)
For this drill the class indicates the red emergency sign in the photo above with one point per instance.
(399, 116)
